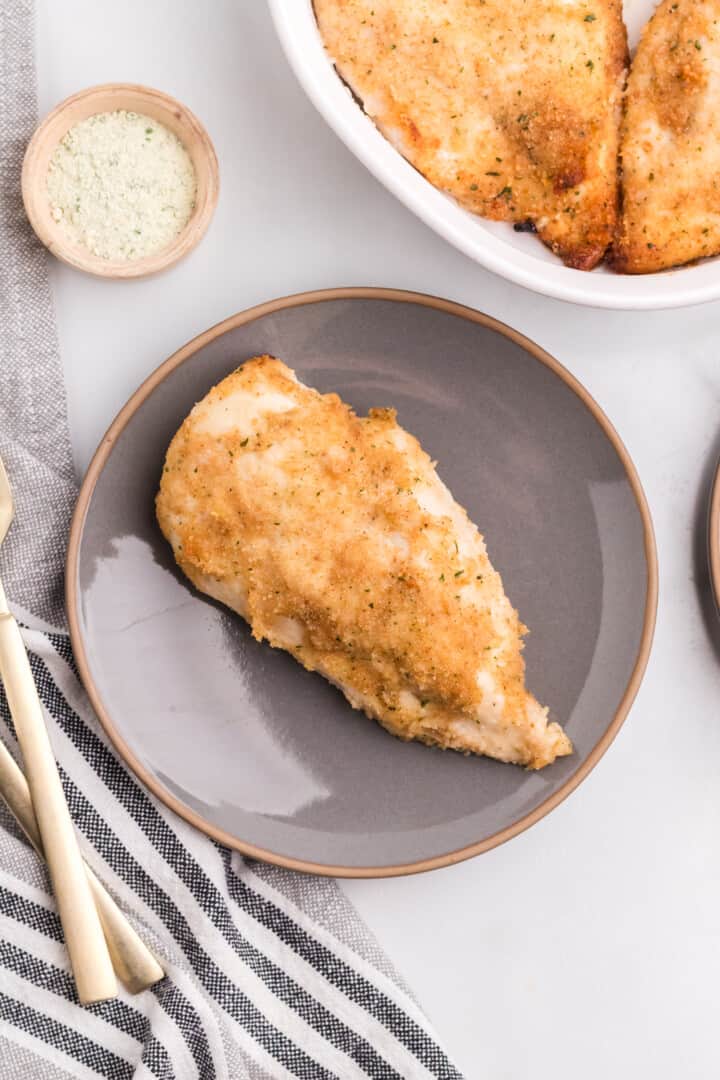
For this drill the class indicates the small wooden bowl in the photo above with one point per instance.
(108, 98)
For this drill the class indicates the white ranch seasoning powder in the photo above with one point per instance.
(122, 185)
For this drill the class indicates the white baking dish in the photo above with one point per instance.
(519, 257)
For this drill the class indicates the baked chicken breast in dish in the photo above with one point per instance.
(511, 106)
(670, 145)
(334, 537)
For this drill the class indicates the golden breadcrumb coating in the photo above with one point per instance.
(334, 537)
(670, 145)
(511, 106)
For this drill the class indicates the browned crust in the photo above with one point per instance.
(670, 143)
(549, 155)
(398, 606)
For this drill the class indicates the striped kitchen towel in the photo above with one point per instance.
(270, 974)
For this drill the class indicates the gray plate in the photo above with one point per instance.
(271, 759)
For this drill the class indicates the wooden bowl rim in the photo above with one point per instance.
(167, 110)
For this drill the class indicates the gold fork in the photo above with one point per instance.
(89, 956)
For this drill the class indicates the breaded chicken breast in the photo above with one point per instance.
(334, 537)
(510, 106)
(670, 148)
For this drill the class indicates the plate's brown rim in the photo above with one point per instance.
(714, 537)
(98, 463)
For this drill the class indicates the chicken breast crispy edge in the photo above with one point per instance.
(541, 148)
(670, 142)
(333, 536)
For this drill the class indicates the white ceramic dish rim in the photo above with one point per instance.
(519, 258)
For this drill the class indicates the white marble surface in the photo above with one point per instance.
(589, 946)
